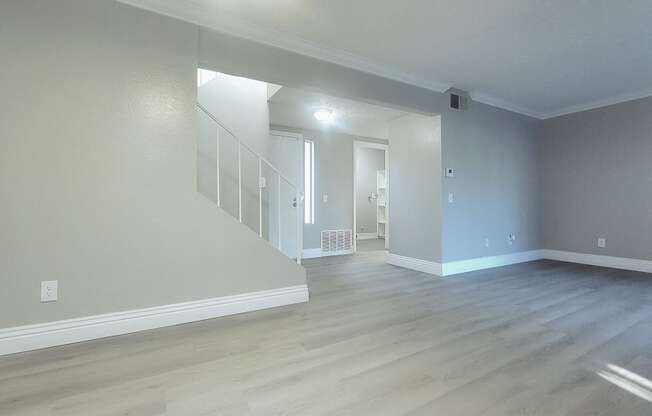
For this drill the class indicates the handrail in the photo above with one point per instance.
(212, 117)
(261, 160)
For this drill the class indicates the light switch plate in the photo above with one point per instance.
(602, 242)
(49, 291)
(451, 198)
(325, 198)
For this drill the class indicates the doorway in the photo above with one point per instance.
(370, 196)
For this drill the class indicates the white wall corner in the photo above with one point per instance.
(50, 334)
(412, 263)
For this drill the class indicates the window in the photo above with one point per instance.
(309, 182)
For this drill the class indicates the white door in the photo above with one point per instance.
(286, 153)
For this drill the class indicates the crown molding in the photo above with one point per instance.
(191, 12)
(599, 104)
(505, 105)
(221, 23)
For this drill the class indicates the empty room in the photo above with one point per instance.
(218, 207)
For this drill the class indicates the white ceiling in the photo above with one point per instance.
(538, 57)
(295, 108)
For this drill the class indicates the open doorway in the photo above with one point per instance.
(371, 196)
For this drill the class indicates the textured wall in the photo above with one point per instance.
(98, 133)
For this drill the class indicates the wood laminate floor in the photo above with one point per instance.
(542, 338)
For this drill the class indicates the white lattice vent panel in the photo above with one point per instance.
(333, 241)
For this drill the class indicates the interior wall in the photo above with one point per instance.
(333, 177)
(240, 104)
(368, 162)
(498, 187)
(496, 157)
(98, 131)
(415, 187)
(598, 179)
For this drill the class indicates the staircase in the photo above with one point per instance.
(248, 187)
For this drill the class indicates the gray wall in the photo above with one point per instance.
(368, 163)
(497, 185)
(598, 181)
(415, 187)
(98, 135)
(495, 151)
(333, 176)
(240, 104)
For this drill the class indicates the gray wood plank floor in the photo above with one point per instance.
(543, 338)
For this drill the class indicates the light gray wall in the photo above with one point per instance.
(333, 176)
(368, 163)
(497, 185)
(598, 181)
(98, 135)
(495, 151)
(415, 187)
(240, 104)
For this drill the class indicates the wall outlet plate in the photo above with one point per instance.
(602, 242)
(486, 242)
(450, 172)
(451, 198)
(49, 291)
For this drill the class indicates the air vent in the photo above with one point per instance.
(336, 241)
(455, 101)
(458, 99)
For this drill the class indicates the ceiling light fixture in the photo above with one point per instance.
(325, 115)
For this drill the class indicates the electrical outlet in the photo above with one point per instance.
(325, 198)
(486, 242)
(451, 198)
(602, 242)
(511, 238)
(49, 291)
(450, 172)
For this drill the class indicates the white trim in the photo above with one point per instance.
(498, 103)
(236, 27)
(312, 253)
(315, 253)
(32, 337)
(623, 263)
(598, 104)
(222, 23)
(367, 236)
(419, 265)
(361, 144)
(481, 263)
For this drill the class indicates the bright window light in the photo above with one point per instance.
(325, 115)
(309, 182)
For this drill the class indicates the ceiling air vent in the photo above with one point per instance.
(336, 241)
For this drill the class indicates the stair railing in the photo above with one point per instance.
(297, 195)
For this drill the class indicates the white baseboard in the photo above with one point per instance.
(32, 337)
(367, 236)
(314, 253)
(623, 263)
(419, 265)
(481, 263)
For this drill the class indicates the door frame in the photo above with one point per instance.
(300, 186)
(357, 145)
